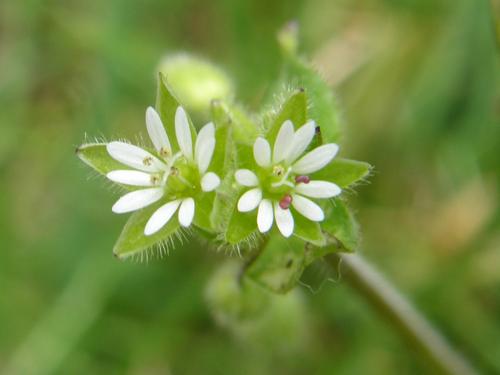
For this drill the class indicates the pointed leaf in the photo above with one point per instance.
(133, 241)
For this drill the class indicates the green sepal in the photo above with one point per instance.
(308, 230)
(133, 241)
(316, 273)
(224, 164)
(340, 227)
(294, 108)
(203, 210)
(245, 130)
(166, 106)
(344, 172)
(96, 156)
(280, 264)
(241, 227)
(223, 160)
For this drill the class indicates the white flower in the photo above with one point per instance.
(179, 177)
(281, 179)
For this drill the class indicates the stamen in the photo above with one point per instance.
(174, 171)
(286, 201)
(278, 170)
(284, 177)
(164, 152)
(148, 160)
(155, 179)
(302, 179)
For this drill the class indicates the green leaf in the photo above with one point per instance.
(280, 264)
(294, 109)
(340, 227)
(96, 156)
(308, 230)
(133, 241)
(344, 172)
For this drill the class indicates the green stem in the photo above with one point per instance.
(400, 313)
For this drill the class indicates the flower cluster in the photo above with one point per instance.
(281, 179)
(177, 177)
(280, 185)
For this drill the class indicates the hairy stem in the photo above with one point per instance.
(401, 314)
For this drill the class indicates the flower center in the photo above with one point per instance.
(181, 179)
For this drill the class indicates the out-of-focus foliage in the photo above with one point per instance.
(418, 86)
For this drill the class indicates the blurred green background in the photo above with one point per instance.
(418, 84)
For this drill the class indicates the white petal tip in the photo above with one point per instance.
(249, 200)
(246, 177)
(209, 182)
(186, 212)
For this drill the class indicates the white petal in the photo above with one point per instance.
(186, 212)
(183, 133)
(301, 140)
(246, 177)
(284, 220)
(204, 156)
(161, 217)
(250, 200)
(134, 157)
(307, 208)
(262, 152)
(210, 181)
(133, 178)
(316, 159)
(283, 141)
(156, 131)
(204, 147)
(136, 200)
(318, 189)
(265, 215)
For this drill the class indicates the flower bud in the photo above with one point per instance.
(195, 81)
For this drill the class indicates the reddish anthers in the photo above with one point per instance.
(286, 201)
(302, 179)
